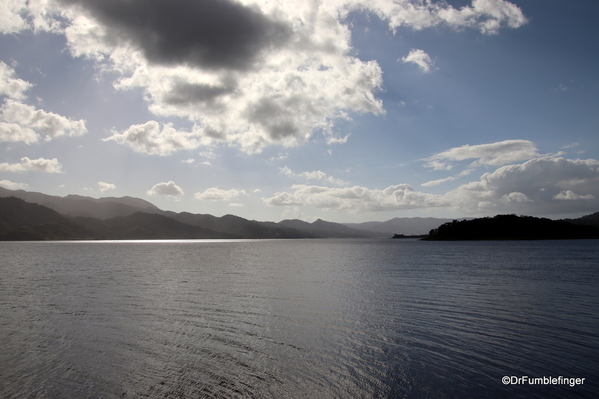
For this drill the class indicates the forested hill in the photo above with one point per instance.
(511, 227)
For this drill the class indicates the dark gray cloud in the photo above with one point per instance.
(208, 33)
(275, 118)
(185, 93)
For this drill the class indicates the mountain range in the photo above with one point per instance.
(35, 216)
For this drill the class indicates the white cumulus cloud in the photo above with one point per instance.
(549, 185)
(13, 185)
(33, 165)
(217, 194)
(283, 199)
(357, 199)
(569, 195)
(169, 189)
(154, 138)
(543, 185)
(10, 85)
(21, 122)
(250, 73)
(103, 186)
(488, 16)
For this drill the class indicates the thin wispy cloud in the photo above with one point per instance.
(494, 154)
(419, 58)
(447, 179)
(314, 175)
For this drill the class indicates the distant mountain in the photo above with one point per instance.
(77, 205)
(20, 220)
(405, 226)
(79, 217)
(89, 211)
(324, 229)
(240, 227)
(145, 226)
(511, 227)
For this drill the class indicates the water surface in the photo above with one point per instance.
(297, 318)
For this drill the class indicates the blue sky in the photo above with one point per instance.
(345, 110)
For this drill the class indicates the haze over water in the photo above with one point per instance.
(297, 319)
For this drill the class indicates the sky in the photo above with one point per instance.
(344, 110)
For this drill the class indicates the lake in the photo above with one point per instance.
(331, 318)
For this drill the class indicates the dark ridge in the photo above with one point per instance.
(588, 220)
(511, 227)
(140, 226)
(23, 221)
(77, 205)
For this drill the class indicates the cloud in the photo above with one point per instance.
(13, 132)
(216, 194)
(333, 139)
(543, 185)
(169, 189)
(546, 185)
(10, 16)
(154, 138)
(10, 85)
(12, 185)
(420, 58)
(451, 178)
(568, 195)
(356, 199)
(33, 165)
(283, 199)
(21, 122)
(437, 182)
(516, 197)
(19, 15)
(495, 154)
(488, 16)
(314, 175)
(249, 74)
(106, 186)
(211, 34)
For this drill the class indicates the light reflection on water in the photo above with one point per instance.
(297, 318)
